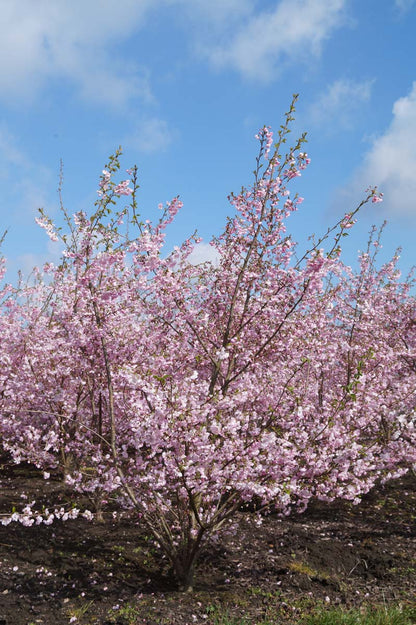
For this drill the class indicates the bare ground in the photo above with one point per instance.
(112, 573)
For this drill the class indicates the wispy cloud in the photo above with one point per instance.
(76, 42)
(71, 41)
(22, 178)
(204, 252)
(12, 158)
(404, 5)
(294, 29)
(25, 263)
(340, 102)
(48, 43)
(26, 186)
(216, 12)
(149, 135)
(391, 162)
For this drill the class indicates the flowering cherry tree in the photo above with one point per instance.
(187, 390)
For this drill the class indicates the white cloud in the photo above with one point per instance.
(75, 42)
(293, 29)
(25, 186)
(202, 253)
(150, 135)
(24, 183)
(391, 162)
(217, 12)
(44, 41)
(340, 102)
(10, 154)
(404, 5)
(25, 263)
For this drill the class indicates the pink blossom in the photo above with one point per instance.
(377, 198)
(183, 391)
(123, 188)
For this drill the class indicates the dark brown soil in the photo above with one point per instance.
(112, 573)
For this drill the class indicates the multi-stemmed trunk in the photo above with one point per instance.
(184, 560)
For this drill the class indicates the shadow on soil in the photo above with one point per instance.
(112, 573)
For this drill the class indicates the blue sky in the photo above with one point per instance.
(183, 86)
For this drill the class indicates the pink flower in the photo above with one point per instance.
(377, 198)
(123, 188)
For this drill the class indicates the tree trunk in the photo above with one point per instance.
(184, 562)
(184, 569)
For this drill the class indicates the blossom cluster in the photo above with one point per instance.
(29, 517)
(182, 391)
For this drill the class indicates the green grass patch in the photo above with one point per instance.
(394, 615)
(369, 616)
